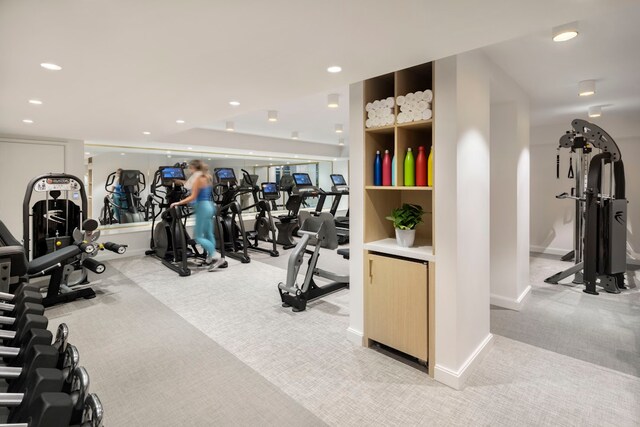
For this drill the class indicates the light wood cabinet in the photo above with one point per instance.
(396, 304)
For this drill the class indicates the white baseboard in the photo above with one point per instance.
(511, 303)
(355, 336)
(633, 258)
(457, 378)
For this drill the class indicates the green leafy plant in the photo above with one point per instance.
(406, 217)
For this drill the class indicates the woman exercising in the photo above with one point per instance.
(201, 193)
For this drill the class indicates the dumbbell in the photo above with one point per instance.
(13, 338)
(9, 303)
(11, 322)
(42, 380)
(15, 356)
(47, 410)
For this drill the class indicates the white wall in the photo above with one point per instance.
(462, 214)
(23, 158)
(552, 219)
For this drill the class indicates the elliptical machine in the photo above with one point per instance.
(123, 203)
(170, 241)
(600, 234)
(233, 236)
(264, 228)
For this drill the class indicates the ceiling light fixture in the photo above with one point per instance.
(341, 141)
(339, 128)
(169, 156)
(272, 115)
(250, 152)
(296, 156)
(294, 134)
(180, 121)
(189, 148)
(234, 103)
(229, 126)
(146, 133)
(334, 69)
(335, 160)
(86, 153)
(122, 154)
(595, 111)
(35, 102)
(565, 32)
(587, 87)
(333, 100)
(28, 121)
(50, 66)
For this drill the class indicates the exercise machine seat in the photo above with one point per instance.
(325, 227)
(49, 260)
(344, 253)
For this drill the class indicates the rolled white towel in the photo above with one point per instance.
(376, 104)
(368, 107)
(417, 115)
(391, 102)
(400, 100)
(419, 95)
(402, 117)
(426, 114)
(422, 105)
(367, 123)
(372, 114)
(404, 108)
(428, 95)
(410, 97)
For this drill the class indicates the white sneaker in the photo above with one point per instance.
(208, 260)
(216, 264)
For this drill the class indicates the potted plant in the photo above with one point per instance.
(405, 219)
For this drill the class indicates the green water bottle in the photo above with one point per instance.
(409, 169)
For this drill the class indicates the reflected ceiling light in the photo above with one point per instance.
(234, 103)
(226, 155)
(333, 100)
(146, 133)
(256, 165)
(168, 157)
(339, 128)
(296, 156)
(565, 32)
(87, 153)
(308, 161)
(35, 102)
(209, 158)
(340, 141)
(229, 126)
(272, 115)
(189, 148)
(294, 134)
(587, 87)
(334, 69)
(288, 163)
(270, 158)
(595, 111)
(270, 164)
(122, 154)
(28, 121)
(335, 160)
(50, 66)
(180, 121)
(168, 152)
(250, 152)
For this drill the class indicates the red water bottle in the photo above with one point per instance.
(386, 168)
(421, 168)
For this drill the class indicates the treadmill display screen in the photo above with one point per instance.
(338, 180)
(225, 175)
(302, 179)
(270, 188)
(172, 173)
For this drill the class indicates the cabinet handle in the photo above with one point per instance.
(370, 271)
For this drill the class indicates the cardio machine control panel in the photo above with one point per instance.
(304, 186)
(339, 184)
(225, 176)
(169, 173)
(56, 184)
(270, 191)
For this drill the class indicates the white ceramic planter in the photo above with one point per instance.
(405, 238)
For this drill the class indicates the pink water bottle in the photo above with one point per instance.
(386, 168)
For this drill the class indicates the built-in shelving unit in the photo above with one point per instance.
(399, 299)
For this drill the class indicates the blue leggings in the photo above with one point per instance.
(203, 231)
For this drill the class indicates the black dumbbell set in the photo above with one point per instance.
(46, 387)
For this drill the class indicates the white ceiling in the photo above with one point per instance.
(134, 66)
(606, 50)
(309, 116)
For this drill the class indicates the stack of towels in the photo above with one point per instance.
(380, 113)
(415, 106)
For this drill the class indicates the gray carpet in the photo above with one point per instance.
(150, 367)
(603, 329)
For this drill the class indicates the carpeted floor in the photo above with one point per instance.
(603, 329)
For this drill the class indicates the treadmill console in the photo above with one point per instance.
(304, 186)
(339, 184)
(226, 176)
(270, 191)
(170, 173)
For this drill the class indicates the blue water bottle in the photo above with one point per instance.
(393, 170)
(377, 169)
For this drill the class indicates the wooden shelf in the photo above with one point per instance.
(381, 129)
(421, 250)
(397, 187)
(420, 124)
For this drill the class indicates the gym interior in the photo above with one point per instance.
(233, 213)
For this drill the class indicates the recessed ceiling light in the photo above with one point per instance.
(226, 155)
(294, 134)
(296, 156)
(146, 133)
(189, 148)
(335, 160)
(288, 163)
(28, 121)
(250, 152)
(234, 103)
(587, 87)
(272, 115)
(565, 32)
(86, 153)
(168, 152)
(333, 100)
(229, 126)
(270, 158)
(339, 128)
(256, 164)
(308, 161)
(334, 69)
(35, 102)
(169, 156)
(595, 111)
(270, 164)
(50, 66)
(180, 121)
(340, 141)
(122, 154)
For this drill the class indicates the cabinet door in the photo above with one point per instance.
(396, 304)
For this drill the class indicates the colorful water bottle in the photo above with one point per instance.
(386, 168)
(377, 170)
(421, 167)
(430, 168)
(409, 169)
(393, 170)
